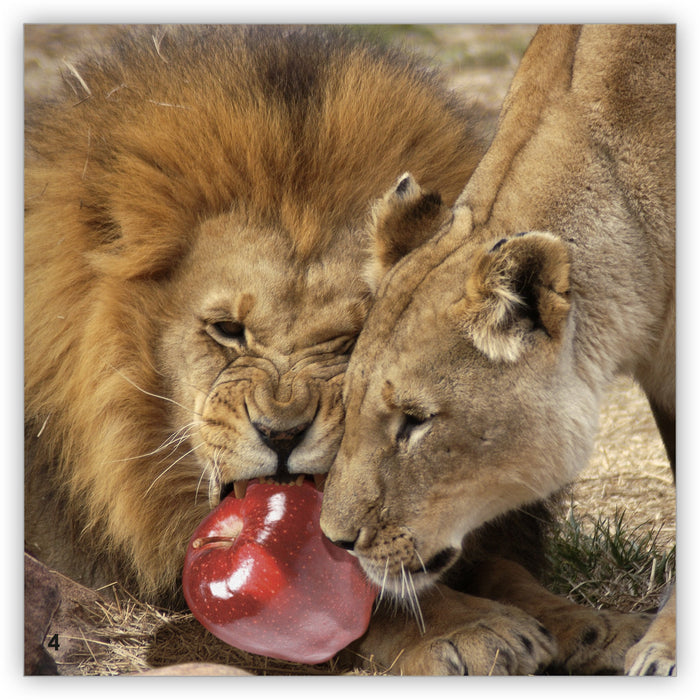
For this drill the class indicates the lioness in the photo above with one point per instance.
(475, 385)
(196, 218)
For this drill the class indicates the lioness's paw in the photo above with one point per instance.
(655, 653)
(651, 659)
(497, 645)
(596, 641)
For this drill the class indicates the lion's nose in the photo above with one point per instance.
(282, 442)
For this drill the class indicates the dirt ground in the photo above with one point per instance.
(629, 469)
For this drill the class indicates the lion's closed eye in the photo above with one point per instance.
(227, 333)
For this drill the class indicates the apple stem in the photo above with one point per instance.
(215, 541)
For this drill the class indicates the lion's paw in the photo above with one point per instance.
(497, 645)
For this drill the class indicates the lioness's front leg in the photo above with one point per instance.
(464, 635)
(588, 640)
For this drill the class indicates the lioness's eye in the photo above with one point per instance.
(409, 422)
(227, 332)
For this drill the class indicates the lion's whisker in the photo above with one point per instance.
(174, 438)
(215, 481)
(215, 476)
(149, 393)
(196, 491)
(199, 483)
(177, 440)
(179, 459)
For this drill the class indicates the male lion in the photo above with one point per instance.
(475, 384)
(197, 203)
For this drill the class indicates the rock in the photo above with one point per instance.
(41, 600)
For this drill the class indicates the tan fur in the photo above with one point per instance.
(196, 216)
(497, 345)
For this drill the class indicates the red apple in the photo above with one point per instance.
(260, 575)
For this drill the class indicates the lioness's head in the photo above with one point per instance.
(462, 395)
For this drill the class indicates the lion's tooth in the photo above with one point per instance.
(320, 481)
(299, 480)
(239, 488)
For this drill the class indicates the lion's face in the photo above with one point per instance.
(255, 350)
(460, 403)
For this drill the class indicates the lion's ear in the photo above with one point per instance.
(517, 292)
(403, 219)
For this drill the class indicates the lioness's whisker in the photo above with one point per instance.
(418, 613)
(383, 586)
(409, 594)
(422, 563)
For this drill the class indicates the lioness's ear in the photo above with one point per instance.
(404, 218)
(517, 291)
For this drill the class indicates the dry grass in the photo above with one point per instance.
(126, 636)
(479, 58)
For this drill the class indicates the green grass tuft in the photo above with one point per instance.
(605, 562)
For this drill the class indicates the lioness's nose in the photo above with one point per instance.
(338, 530)
(345, 544)
(350, 507)
(363, 538)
